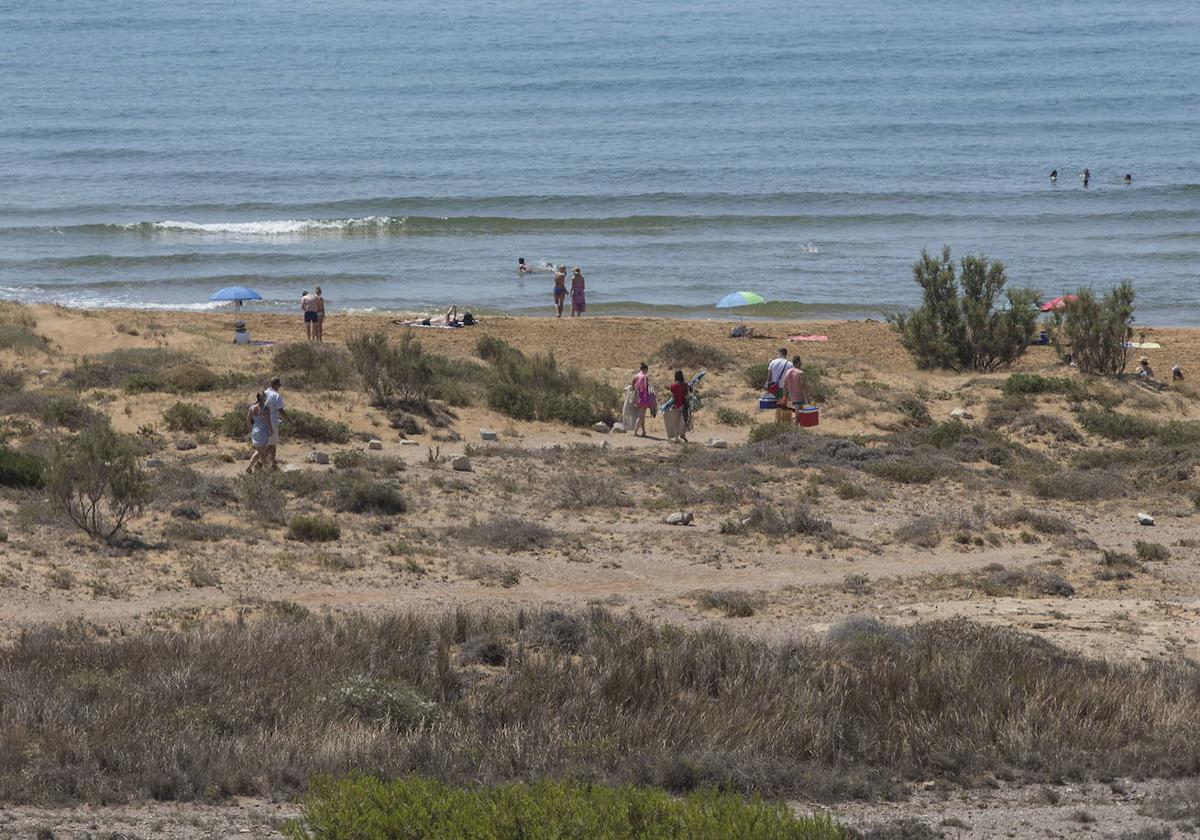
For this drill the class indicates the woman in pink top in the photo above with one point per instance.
(644, 395)
(795, 390)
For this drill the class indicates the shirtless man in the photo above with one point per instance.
(795, 391)
(318, 304)
(310, 314)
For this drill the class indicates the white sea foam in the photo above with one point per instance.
(271, 227)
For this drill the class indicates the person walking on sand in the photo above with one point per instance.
(679, 403)
(310, 314)
(560, 288)
(274, 403)
(795, 390)
(578, 301)
(776, 368)
(259, 421)
(319, 306)
(644, 395)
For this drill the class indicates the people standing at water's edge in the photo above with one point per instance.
(776, 368)
(795, 390)
(273, 400)
(645, 396)
(319, 306)
(560, 288)
(259, 420)
(578, 300)
(310, 314)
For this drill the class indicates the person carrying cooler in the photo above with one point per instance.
(775, 371)
(795, 391)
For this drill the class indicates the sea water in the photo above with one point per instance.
(404, 155)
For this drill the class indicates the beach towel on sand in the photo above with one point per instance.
(808, 338)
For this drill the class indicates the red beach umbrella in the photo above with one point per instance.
(1058, 302)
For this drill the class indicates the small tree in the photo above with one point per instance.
(957, 326)
(1095, 332)
(95, 480)
(391, 371)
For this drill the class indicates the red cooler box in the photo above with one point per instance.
(810, 415)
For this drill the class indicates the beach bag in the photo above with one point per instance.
(629, 411)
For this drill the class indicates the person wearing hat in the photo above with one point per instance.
(1144, 371)
(578, 301)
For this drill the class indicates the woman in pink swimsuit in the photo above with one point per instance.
(578, 303)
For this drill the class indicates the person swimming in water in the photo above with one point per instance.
(1087, 176)
(1128, 179)
(1053, 176)
(521, 267)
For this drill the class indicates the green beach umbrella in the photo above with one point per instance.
(736, 299)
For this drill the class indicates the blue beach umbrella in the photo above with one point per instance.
(237, 294)
(736, 299)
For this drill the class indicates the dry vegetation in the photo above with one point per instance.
(1022, 516)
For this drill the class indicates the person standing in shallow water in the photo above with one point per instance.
(560, 288)
(578, 299)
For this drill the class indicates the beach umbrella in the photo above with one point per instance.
(1058, 303)
(739, 299)
(237, 294)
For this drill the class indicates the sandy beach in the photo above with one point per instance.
(978, 540)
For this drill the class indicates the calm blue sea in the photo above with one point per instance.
(403, 155)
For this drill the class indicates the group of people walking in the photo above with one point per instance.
(786, 381)
(642, 399)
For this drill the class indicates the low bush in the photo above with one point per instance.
(1035, 383)
(1117, 565)
(787, 521)
(371, 809)
(755, 375)
(358, 494)
(187, 417)
(300, 425)
(52, 408)
(1131, 429)
(1149, 552)
(313, 529)
(912, 410)
(1040, 521)
(262, 494)
(773, 431)
(391, 371)
(915, 469)
(251, 708)
(315, 367)
(575, 490)
(688, 355)
(113, 370)
(1079, 485)
(735, 603)
(506, 533)
(490, 574)
(96, 482)
(536, 388)
(732, 417)
(11, 381)
(17, 469)
(21, 339)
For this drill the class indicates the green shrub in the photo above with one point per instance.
(755, 375)
(20, 470)
(1114, 426)
(735, 603)
(368, 808)
(381, 701)
(187, 417)
(96, 482)
(314, 367)
(771, 431)
(506, 533)
(958, 325)
(732, 417)
(912, 409)
(686, 354)
(491, 349)
(1079, 485)
(1095, 332)
(21, 339)
(362, 495)
(536, 388)
(313, 529)
(53, 409)
(300, 425)
(262, 494)
(912, 470)
(789, 521)
(1149, 552)
(143, 365)
(11, 381)
(1035, 383)
(391, 371)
